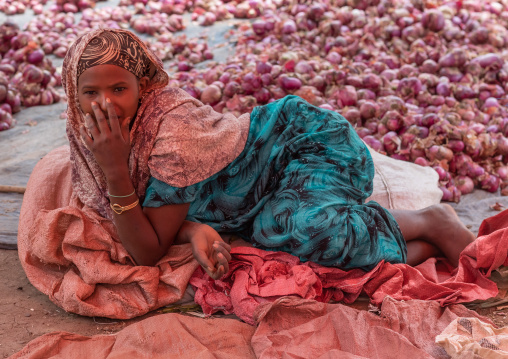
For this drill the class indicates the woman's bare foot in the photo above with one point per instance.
(446, 231)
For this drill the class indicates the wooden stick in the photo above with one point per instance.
(12, 189)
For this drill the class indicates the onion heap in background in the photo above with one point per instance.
(421, 81)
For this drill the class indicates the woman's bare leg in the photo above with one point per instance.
(419, 251)
(438, 225)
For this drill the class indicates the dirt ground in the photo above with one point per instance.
(26, 313)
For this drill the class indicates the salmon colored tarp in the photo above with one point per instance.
(289, 327)
(75, 257)
(258, 276)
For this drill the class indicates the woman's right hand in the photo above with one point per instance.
(209, 249)
(109, 143)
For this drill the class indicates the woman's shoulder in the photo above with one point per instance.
(169, 98)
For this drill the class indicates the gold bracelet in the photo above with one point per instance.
(120, 209)
(110, 195)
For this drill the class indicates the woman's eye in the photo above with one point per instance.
(119, 89)
(89, 93)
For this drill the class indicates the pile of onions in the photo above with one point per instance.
(424, 82)
(72, 6)
(19, 6)
(55, 32)
(421, 85)
(27, 77)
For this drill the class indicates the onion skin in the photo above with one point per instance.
(464, 184)
(211, 95)
(490, 183)
(433, 20)
(374, 143)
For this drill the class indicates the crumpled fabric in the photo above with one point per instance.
(73, 255)
(256, 277)
(471, 338)
(290, 327)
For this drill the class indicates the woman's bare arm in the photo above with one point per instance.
(146, 233)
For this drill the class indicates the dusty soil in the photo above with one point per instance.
(26, 313)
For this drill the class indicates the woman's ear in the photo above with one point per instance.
(143, 85)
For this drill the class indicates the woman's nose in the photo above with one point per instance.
(102, 103)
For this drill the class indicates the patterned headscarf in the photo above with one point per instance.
(115, 49)
(174, 137)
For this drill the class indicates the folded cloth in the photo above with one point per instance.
(73, 255)
(298, 328)
(290, 327)
(160, 337)
(256, 277)
(470, 338)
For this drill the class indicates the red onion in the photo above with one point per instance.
(360, 131)
(369, 109)
(347, 96)
(479, 36)
(430, 119)
(442, 173)
(374, 143)
(392, 120)
(447, 194)
(464, 184)
(353, 116)
(436, 152)
(433, 20)
(490, 61)
(263, 67)
(474, 170)
(391, 142)
(232, 88)
(365, 94)
(6, 117)
(502, 172)
(46, 97)
(455, 58)
(290, 83)
(429, 66)
(456, 145)
(490, 183)
(288, 27)
(443, 89)
(372, 82)
(422, 162)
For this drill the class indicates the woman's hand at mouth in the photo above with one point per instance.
(109, 143)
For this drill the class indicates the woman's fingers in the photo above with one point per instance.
(204, 261)
(86, 138)
(91, 127)
(113, 118)
(126, 130)
(223, 263)
(223, 248)
(102, 124)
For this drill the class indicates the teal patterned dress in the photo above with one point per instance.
(299, 186)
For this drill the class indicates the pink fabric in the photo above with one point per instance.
(258, 276)
(73, 255)
(289, 327)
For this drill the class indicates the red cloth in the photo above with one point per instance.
(289, 327)
(257, 277)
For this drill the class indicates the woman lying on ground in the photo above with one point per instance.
(290, 177)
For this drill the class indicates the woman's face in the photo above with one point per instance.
(123, 88)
